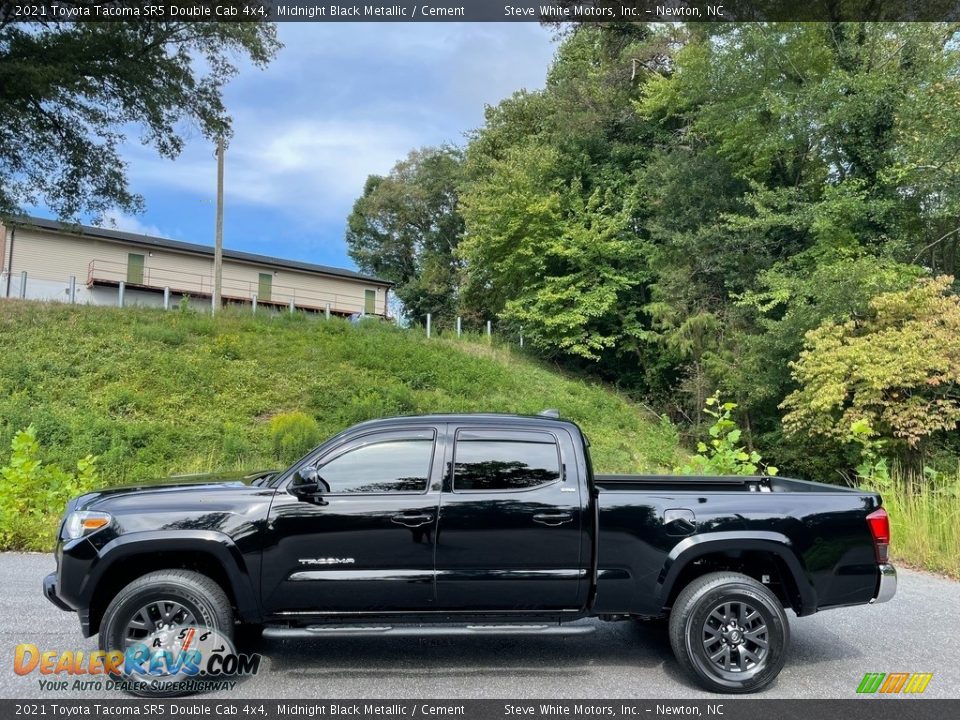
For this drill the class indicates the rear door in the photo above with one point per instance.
(509, 537)
(368, 544)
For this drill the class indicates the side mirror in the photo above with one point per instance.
(308, 485)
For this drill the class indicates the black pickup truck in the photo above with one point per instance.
(479, 524)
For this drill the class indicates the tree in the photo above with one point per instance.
(561, 260)
(70, 91)
(896, 370)
(406, 228)
(550, 203)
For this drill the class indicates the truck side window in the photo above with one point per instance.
(381, 466)
(504, 460)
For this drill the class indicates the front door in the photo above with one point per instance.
(134, 269)
(510, 524)
(367, 545)
(264, 287)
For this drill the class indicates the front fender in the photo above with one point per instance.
(778, 544)
(214, 544)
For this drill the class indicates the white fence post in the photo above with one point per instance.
(120, 290)
(166, 298)
(488, 329)
(428, 324)
(291, 305)
(326, 312)
(254, 304)
(458, 326)
(23, 285)
(73, 289)
(521, 336)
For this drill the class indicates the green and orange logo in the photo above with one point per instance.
(892, 683)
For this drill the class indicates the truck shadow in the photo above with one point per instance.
(439, 657)
(640, 647)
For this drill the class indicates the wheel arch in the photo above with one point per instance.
(128, 557)
(752, 548)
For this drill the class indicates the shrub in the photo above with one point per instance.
(895, 369)
(32, 495)
(293, 434)
(724, 455)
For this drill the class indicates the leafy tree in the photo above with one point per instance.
(562, 263)
(551, 207)
(896, 369)
(69, 93)
(406, 228)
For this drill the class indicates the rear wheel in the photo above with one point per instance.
(729, 632)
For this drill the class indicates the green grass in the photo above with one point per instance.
(925, 521)
(154, 393)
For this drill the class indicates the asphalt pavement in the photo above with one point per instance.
(918, 631)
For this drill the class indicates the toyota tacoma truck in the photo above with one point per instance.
(475, 524)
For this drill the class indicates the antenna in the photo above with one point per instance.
(550, 413)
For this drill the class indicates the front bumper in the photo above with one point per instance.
(887, 586)
(50, 592)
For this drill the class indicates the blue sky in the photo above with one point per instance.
(341, 101)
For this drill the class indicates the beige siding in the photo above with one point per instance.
(53, 256)
(242, 280)
(3, 248)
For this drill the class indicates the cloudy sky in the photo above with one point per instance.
(340, 102)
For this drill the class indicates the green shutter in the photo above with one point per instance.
(370, 302)
(265, 285)
(134, 269)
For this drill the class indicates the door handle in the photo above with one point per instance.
(552, 518)
(412, 520)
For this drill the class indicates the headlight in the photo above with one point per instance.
(82, 523)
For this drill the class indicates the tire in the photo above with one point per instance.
(203, 597)
(729, 633)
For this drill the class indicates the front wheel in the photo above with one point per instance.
(179, 611)
(729, 632)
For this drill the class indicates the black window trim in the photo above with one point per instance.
(349, 445)
(505, 430)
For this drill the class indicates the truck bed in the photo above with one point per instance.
(714, 483)
(646, 521)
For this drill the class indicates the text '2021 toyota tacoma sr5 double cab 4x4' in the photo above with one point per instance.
(475, 524)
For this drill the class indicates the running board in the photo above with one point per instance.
(314, 631)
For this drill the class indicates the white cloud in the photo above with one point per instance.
(117, 220)
(342, 101)
(309, 166)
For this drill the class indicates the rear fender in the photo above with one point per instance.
(692, 548)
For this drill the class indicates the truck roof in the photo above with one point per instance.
(464, 418)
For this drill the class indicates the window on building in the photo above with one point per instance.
(504, 460)
(264, 287)
(370, 302)
(134, 269)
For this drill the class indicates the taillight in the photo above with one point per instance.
(879, 524)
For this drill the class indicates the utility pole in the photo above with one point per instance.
(218, 242)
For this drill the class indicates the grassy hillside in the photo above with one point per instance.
(154, 393)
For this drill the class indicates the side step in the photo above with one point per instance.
(315, 631)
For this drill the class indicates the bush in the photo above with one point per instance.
(724, 456)
(33, 495)
(293, 434)
(895, 369)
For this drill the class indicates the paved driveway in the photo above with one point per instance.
(919, 631)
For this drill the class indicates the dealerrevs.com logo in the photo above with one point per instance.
(171, 662)
(894, 683)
